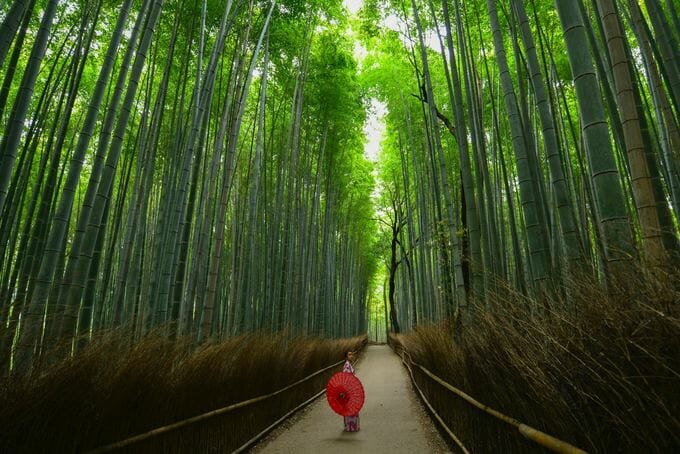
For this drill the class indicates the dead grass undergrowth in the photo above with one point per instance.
(600, 371)
(113, 390)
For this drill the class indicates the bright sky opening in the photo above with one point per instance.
(353, 5)
(374, 129)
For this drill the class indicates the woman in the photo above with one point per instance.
(351, 422)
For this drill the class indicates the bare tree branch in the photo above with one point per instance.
(444, 119)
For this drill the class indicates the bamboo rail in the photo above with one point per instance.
(434, 412)
(250, 442)
(531, 433)
(204, 416)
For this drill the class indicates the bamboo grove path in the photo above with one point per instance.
(392, 419)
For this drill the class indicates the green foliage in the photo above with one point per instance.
(313, 185)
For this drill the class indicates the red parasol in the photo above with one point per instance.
(345, 394)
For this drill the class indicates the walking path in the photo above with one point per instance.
(392, 419)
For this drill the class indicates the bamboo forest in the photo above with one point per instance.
(197, 194)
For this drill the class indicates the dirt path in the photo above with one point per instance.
(392, 419)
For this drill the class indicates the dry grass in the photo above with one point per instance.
(596, 369)
(113, 390)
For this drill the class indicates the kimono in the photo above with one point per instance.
(351, 422)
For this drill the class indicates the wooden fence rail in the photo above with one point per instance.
(531, 433)
(160, 431)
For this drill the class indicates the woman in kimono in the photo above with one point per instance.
(351, 422)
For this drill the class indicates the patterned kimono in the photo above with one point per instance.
(351, 422)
